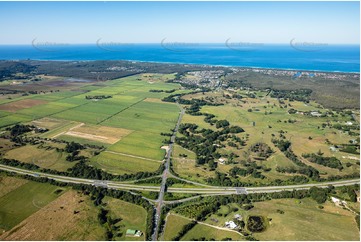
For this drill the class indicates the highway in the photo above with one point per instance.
(204, 191)
(200, 191)
(165, 175)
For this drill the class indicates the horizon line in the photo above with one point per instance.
(172, 42)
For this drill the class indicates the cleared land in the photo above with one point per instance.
(23, 201)
(102, 134)
(72, 216)
(8, 184)
(203, 231)
(175, 224)
(303, 220)
(264, 118)
(45, 158)
(129, 123)
(297, 220)
(132, 217)
(21, 104)
(120, 164)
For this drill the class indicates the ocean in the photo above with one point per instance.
(312, 57)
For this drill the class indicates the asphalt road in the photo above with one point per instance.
(164, 176)
(205, 190)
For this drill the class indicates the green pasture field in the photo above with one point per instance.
(141, 143)
(80, 116)
(201, 230)
(133, 107)
(74, 100)
(81, 140)
(98, 107)
(4, 113)
(173, 226)
(146, 116)
(77, 226)
(177, 150)
(120, 164)
(23, 201)
(133, 217)
(44, 110)
(49, 159)
(13, 119)
(55, 96)
(9, 183)
(301, 220)
(236, 112)
(175, 223)
(198, 120)
(304, 220)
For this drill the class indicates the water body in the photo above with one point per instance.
(317, 57)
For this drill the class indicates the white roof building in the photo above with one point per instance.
(222, 160)
(338, 201)
(315, 114)
(231, 225)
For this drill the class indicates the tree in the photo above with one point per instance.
(318, 194)
(222, 123)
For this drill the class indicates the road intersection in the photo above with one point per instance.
(201, 190)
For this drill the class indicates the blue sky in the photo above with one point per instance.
(195, 22)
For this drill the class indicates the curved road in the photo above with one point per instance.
(204, 191)
(215, 190)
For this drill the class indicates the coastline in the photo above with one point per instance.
(196, 64)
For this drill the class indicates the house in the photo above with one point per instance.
(349, 123)
(222, 161)
(138, 233)
(133, 233)
(333, 148)
(338, 202)
(297, 75)
(230, 224)
(315, 114)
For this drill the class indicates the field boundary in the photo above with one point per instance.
(109, 117)
(64, 132)
(133, 156)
